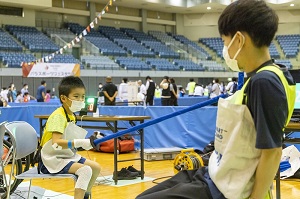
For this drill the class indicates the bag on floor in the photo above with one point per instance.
(125, 144)
(290, 162)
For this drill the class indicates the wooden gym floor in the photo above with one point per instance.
(290, 189)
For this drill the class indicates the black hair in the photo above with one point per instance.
(148, 77)
(48, 91)
(166, 77)
(191, 79)
(251, 16)
(125, 79)
(68, 83)
(234, 79)
(1, 103)
(43, 82)
(172, 80)
(25, 85)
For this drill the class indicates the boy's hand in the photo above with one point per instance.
(84, 143)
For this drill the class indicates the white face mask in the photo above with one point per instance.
(76, 105)
(232, 63)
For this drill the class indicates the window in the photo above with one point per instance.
(4, 10)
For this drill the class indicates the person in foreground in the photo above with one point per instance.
(62, 137)
(250, 123)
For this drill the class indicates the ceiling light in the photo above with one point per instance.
(208, 8)
(292, 4)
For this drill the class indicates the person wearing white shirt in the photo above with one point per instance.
(142, 90)
(230, 85)
(142, 87)
(4, 93)
(215, 90)
(198, 90)
(123, 90)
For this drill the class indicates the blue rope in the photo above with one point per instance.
(160, 119)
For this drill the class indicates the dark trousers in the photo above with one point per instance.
(165, 101)
(109, 103)
(40, 100)
(187, 184)
(149, 100)
(173, 101)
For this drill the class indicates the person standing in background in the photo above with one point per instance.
(209, 89)
(166, 92)
(25, 90)
(181, 92)
(174, 96)
(142, 91)
(191, 87)
(100, 94)
(13, 92)
(110, 92)
(41, 92)
(150, 90)
(9, 95)
(47, 96)
(199, 91)
(215, 90)
(123, 89)
(157, 93)
(4, 93)
(231, 87)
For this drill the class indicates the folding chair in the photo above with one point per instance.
(5, 183)
(24, 138)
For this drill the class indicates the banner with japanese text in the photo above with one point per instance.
(50, 70)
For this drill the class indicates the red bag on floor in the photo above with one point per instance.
(107, 146)
(125, 144)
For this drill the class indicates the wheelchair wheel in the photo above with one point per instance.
(7, 164)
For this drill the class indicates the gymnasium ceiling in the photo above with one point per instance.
(193, 6)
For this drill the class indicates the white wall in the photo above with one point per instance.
(289, 22)
(288, 28)
(119, 23)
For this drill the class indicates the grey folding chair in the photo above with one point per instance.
(3, 159)
(24, 138)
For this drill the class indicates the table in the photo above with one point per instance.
(111, 124)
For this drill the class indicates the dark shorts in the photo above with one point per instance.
(65, 170)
